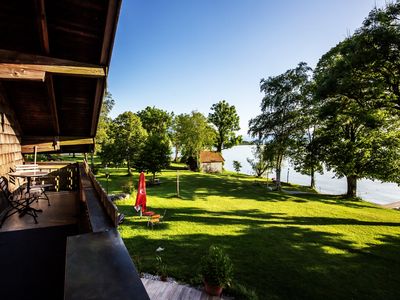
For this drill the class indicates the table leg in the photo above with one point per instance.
(28, 210)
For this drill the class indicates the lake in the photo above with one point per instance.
(372, 191)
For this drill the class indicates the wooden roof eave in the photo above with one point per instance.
(54, 144)
(105, 59)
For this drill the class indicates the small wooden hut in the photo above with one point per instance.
(211, 162)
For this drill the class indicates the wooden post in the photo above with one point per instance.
(177, 183)
(35, 154)
(287, 177)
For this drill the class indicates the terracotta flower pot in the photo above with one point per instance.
(212, 290)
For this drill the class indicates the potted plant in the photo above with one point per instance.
(216, 270)
(161, 267)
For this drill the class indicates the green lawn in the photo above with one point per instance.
(283, 246)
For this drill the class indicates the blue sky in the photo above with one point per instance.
(186, 55)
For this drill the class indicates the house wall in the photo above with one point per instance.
(214, 167)
(10, 138)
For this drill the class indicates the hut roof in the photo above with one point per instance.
(54, 59)
(210, 156)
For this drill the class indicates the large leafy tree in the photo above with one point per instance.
(280, 123)
(193, 134)
(359, 142)
(155, 120)
(358, 89)
(226, 121)
(368, 60)
(127, 138)
(104, 121)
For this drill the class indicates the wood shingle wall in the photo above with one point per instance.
(10, 140)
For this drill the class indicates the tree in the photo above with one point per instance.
(174, 135)
(128, 137)
(155, 120)
(193, 134)
(237, 166)
(280, 124)
(305, 153)
(367, 60)
(104, 121)
(226, 121)
(154, 155)
(263, 159)
(359, 142)
(358, 94)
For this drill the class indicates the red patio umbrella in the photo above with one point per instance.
(141, 197)
(141, 194)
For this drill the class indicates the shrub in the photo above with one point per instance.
(216, 267)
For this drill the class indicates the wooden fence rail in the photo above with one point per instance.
(110, 207)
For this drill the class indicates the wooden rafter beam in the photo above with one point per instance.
(53, 104)
(32, 139)
(44, 42)
(21, 69)
(42, 25)
(98, 99)
(15, 72)
(51, 144)
(49, 64)
(109, 30)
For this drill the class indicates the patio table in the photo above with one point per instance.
(28, 174)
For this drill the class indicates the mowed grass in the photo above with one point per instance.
(282, 246)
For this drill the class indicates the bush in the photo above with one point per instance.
(128, 188)
(216, 267)
(161, 268)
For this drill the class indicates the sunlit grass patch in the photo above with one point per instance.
(284, 246)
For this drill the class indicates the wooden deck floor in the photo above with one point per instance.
(159, 290)
(62, 211)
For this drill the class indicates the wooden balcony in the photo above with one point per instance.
(74, 251)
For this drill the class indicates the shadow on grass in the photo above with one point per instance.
(249, 217)
(287, 262)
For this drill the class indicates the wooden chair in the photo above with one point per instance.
(36, 188)
(155, 219)
(15, 202)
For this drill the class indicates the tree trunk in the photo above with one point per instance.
(176, 153)
(351, 186)
(220, 142)
(129, 168)
(278, 171)
(278, 178)
(312, 185)
(154, 177)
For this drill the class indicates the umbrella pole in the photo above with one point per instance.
(35, 151)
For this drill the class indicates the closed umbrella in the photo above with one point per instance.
(141, 194)
(141, 198)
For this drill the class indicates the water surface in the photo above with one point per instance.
(372, 191)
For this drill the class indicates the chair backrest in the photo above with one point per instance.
(27, 167)
(4, 187)
(11, 178)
